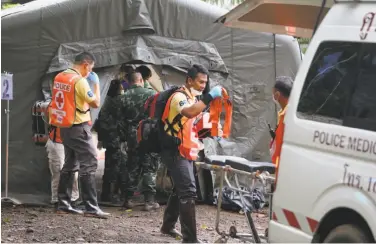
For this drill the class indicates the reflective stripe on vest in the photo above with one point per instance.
(276, 144)
(188, 134)
(215, 114)
(63, 105)
(54, 135)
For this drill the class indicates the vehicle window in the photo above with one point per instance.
(362, 108)
(340, 86)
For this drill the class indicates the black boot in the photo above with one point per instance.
(106, 189)
(188, 220)
(149, 202)
(65, 194)
(170, 217)
(128, 203)
(114, 193)
(89, 197)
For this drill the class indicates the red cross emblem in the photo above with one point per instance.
(59, 100)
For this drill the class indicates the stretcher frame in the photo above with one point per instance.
(267, 182)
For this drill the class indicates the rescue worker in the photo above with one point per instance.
(55, 154)
(146, 75)
(139, 164)
(281, 94)
(69, 110)
(110, 139)
(179, 159)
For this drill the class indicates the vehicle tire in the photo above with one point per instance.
(348, 234)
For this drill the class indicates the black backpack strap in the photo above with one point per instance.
(82, 112)
(176, 120)
(170, 126)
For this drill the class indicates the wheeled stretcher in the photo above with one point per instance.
(257, 171)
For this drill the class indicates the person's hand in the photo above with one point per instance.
(216, 92)
(93, 77)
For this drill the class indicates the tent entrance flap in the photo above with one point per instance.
(288, 17)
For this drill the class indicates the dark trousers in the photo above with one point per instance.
(182, 200)
(80, 152)
(144, 165)
(80, 155)
(114, 157)
(182, 174)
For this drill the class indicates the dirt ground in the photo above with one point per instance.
(34, 224)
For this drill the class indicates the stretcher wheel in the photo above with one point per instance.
(233, 231)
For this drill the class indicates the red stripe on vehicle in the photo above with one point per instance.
(274, 216)
(312, 224)
(290, 216)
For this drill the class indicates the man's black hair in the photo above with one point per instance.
(84, 57)
(114, 88)
(145, 71)
(283, 84)
(126, 68)
(195, 69)
(132, 77)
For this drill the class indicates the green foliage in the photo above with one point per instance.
(303, 49)
(6, 220)
(9, 5)
(304, 40)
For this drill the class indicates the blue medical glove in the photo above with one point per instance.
(217, 138)
(93, 77)
(216, 92)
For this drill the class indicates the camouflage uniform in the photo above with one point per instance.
(114, 156)
(139, 164)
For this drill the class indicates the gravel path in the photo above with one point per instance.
(27, 224)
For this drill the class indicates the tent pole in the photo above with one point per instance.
(6, 198)
(7, 150)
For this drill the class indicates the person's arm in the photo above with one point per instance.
(93, 77)
(121, 116)
(97, 101)
(83, 90)
(195, 109)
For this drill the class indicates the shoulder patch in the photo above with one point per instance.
(90, 94)
(182, 103)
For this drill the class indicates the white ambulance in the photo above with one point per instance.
(326, 181)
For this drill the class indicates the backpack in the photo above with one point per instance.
(151, 135)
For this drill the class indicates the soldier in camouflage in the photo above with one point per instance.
(109, 138)
(139, 164)
(146, 75)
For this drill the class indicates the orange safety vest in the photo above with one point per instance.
(204, 125)
(54, 134)
(276, 144)
(215, 114)
(63, 108)
(188, 134)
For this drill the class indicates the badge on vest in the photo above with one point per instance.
(181, 103)
(90, 94)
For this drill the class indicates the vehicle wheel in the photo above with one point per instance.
(347, 234)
